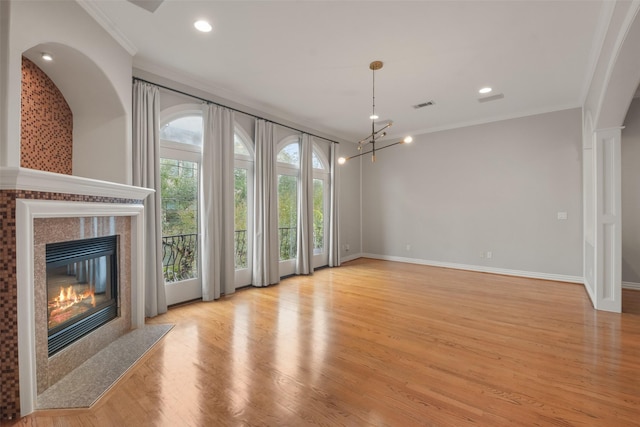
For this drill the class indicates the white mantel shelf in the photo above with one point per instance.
(13, 178)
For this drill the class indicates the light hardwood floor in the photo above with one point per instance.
(377, 343)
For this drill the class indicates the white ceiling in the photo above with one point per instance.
(308, 61)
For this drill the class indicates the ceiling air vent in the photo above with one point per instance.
(423, 104)
(491, 98)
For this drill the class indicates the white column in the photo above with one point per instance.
(606, 232)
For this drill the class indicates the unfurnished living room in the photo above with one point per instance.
(337, 213)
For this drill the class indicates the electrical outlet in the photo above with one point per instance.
(408, 248)
(481, 254)
(489, 255)
(346, 247)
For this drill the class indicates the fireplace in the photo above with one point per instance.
(82, 288)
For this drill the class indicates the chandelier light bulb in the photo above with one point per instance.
(408, 140)
(342, 160)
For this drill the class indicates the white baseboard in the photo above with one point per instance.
(482, 269)
(631, 285)
(350, 258)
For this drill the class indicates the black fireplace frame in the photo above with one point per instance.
(63, 253)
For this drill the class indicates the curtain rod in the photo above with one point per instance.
(208, 101)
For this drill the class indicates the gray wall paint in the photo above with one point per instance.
(631, 195)
(495, 187)
(349, 200)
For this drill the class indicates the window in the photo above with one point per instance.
(288, 171)
(183, 130)
(288, 176)
(321, 175)
(243, 208)
(180, 159)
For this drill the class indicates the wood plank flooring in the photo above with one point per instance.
(378, 343)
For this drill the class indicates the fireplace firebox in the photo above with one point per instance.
(82, 288)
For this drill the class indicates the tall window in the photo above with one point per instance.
(288, 175)
(321, 174)
(180, 158)
(243, 209)
(288, 172)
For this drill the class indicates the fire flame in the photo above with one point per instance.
(68, 297)
(67, 303)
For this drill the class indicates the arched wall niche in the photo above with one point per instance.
(99, 117)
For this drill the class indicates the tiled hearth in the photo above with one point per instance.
(37, 208)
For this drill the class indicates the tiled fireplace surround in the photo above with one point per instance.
(38, 208)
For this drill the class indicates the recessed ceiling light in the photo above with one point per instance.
(485, 90)
(203, 26)
(46, 56)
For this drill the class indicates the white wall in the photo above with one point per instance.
(496, 187)
(102, 138)
(631, 195)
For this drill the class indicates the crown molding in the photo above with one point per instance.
(107, 24)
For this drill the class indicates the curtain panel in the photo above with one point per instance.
(334, 226)
(304, 258)
(146, 173)
(217, 198)
(265, 220)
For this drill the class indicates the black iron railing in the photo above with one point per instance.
(179, 257)
(180, 252)
(240, 248)
(318, 239)
(288, 242)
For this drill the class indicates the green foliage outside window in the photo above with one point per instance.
(241, 217)
(179, 195)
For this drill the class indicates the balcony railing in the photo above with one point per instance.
(180, 252)
(179, 257)
(240, 249)
(288, 242)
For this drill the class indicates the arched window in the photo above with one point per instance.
(180, 159)
(321, 176)
(288, 176)
(288, 169)
(185, 129)
(243, 206)
(181, 139)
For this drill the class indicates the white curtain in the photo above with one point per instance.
(146, 173)
(304, 259)
(265, 226)
(217, 220)
(334, 227)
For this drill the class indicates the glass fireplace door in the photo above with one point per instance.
(82, 286)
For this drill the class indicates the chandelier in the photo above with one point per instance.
(375, 135)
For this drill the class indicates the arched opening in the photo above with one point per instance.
(101, 129)
(613, 90)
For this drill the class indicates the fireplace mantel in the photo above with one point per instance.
(14, 178)
(26, 212)
(27, 195)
